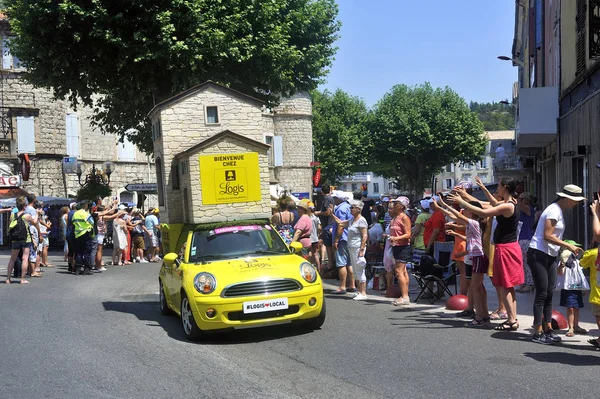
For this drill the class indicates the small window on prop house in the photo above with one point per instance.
(175, 176)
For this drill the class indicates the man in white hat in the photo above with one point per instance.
(340, 244)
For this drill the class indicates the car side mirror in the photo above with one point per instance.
(296, 247)
(172, 259)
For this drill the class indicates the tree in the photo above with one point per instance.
(340, 133)
(495, 116)
(418, 130)
(123, 57)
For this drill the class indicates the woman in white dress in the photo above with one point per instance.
(119, 239)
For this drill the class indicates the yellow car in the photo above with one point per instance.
(237, 276)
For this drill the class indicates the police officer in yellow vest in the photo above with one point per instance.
(84, 243)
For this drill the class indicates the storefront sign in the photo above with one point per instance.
(227, 178)
(10, 181)
(69, 165)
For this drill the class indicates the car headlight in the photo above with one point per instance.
(205, 283)
(308, 272)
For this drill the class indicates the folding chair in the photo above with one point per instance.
(442, 272)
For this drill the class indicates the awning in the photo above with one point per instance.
(12, 192)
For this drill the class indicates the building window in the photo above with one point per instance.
(390, 186)
(160, 181)
(277, 151)
(185, 167)
(269, 141)
(212, 115)
(467, 166)
(175, 176)
(9, 61)
(126, 150)
(375, 188)
(449, 185)
(482, 176)
(466, 176)
(580, 36)
(156, 129)
(73, 135)
(354, 186)
(25, 134)
(483, 163)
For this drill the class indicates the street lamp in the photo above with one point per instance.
(108, 168)
(81, 167)
(514, 60)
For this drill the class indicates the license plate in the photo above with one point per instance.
(265, 305)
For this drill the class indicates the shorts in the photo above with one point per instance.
(154, 241)
(138, 242)
(32, 252)
(357, 267)
(571, 299)
(326, 236)
(595, 310)
(341, 255)
(19, 245)
(480, 264)
(46, 242)
(402, 253)
(99, 239)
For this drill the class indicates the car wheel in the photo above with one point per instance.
(164, 307)
(190, 328)
(317, 322)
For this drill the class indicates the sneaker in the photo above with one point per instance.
(466, 313)
(102, 269)
(143, 261)
(360, 297)
(96, 270)
(579, 330)
(552, 335)
(137, 260)
(542, 339)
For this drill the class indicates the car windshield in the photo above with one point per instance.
(235, 242)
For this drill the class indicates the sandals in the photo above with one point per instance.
(508, 326)
(401, 302)
(496, 315)
(24, 282)
(595, 343)
(476, 323)
(580, 331)
(570, 334)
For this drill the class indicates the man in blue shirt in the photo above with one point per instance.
(340, 244)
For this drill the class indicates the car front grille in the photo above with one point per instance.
(261, 288)
(240, 316)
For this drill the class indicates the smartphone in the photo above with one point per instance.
(596, 196)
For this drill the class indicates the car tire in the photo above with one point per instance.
(317, 322)
(188, 323)
(164, 306)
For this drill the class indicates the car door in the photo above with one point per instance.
(176, 274)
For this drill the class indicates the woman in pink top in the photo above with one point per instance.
(400, 233)
(303, 228)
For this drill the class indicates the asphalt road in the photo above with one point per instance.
(102, 336)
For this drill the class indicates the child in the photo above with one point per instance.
(594, 270)
(33, 251)
(570, 299)
(473, 228)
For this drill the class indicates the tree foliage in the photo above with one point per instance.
(418, 130)
(495, 116)
(123, 57)
(340, 133)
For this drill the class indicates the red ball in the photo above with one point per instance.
(559, 319)
(457, 302)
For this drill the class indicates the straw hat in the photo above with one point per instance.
(572, 191)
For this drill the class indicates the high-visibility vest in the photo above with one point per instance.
(80, 221)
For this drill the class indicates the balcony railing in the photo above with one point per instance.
(6, 127)
(510, 161)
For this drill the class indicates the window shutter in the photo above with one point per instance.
(277, 151)
(72, 135)
(126, 151)
(26, 134)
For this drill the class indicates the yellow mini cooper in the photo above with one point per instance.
(239, 276)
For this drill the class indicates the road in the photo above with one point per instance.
(102, 336)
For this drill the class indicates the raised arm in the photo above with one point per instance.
(493, 201)
(505, 209)
(595, 208)
(451, 212)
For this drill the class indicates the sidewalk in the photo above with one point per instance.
(524, 308)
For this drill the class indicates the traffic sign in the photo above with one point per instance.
(142, 187)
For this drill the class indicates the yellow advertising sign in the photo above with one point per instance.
(227, 178)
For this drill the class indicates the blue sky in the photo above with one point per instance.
(445, 42)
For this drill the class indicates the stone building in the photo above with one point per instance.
(216, 120)
(38, 131)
